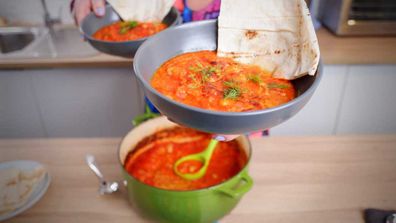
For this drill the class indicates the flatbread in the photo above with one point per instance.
(277, 35)
(16, 186)
(142, 10)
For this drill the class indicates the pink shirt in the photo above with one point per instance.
(209, 12)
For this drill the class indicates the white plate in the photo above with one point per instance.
(39, 191)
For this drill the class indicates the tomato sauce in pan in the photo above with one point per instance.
(152, 160)
(129, 30)
(203, 80)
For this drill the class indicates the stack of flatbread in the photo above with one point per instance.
(142, 10)
(16, 186)
(277, 35)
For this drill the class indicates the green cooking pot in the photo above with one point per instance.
(169, 206)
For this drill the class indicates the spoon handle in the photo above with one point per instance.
(209, 150)
(90, 159)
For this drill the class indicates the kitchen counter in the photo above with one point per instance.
(334, 50)
(297, 179)
(356, 50)
(99, 60)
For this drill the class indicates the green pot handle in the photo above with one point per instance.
(243, 185)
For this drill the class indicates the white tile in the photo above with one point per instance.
(369, 104)
(19, 113)
(87, 102)
(318, 117)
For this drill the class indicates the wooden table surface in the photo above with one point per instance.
(297, 179)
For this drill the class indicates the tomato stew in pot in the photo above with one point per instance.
(152, 160)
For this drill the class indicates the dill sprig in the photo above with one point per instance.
(126, 26)
(276, 85)
(205, 72)
(255, 78)
(232, 91)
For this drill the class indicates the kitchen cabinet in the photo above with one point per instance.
(319, 116)
(351, 99)
(19, 114)
(68, 102)
(101, 102)
(369, 101)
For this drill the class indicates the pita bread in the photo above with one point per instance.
(16, 186)
(277, 35)
(142, 10)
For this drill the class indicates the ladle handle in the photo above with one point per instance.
(90, 159)
(209, 150)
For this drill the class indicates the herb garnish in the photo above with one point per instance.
(255, 78)
(195, 83)
(276, 85)
(229, 84)
(126, 26)
(232, 92)
(206, 72)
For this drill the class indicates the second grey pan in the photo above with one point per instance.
(92, 23)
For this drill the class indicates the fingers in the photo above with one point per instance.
(197, 5)
(225, 137)
(81, 9)
(98, 6)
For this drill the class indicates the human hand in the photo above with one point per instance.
(225, 137)
(222, 138)
(82, 8)
(197, 5)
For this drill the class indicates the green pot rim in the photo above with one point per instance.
(202, 190)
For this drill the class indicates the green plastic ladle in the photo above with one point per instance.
(204, 157)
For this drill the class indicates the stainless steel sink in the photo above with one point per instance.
(21, 41)
(40, 42)
(15, 39)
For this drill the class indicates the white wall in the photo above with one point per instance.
(31, 11)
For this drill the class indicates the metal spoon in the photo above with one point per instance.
(203, 157)
(391, 218)
(104, 186)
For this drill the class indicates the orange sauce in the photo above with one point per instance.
(152, 160)
(203, 80)
(129, 30)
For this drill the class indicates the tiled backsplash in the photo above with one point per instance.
(32, 12)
